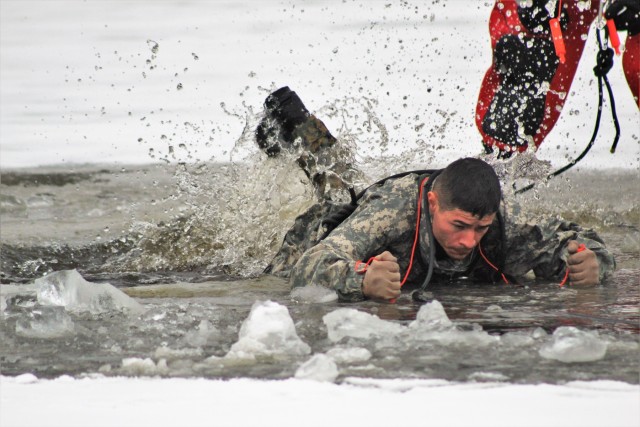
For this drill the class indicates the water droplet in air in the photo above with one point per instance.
(153, 46)
(179, 87)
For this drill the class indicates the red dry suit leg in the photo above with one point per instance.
(526, 87)
(631, 65)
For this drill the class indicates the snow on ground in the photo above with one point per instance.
(28, 401)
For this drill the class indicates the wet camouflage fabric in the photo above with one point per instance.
(327, 163)
(315, 134)
(386, 219)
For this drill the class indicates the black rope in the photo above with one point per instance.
(604, 63)
(615, 116)
(343, 211)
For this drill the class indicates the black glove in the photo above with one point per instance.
(286, 107)
(625, 14)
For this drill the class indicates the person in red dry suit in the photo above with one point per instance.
(523, 92)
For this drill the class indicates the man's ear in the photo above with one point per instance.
(432, 198)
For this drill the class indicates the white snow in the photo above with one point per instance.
(26, 401)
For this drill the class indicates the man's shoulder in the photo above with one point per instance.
(404, 185)
(392, 196)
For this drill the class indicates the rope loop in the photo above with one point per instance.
(604, 62)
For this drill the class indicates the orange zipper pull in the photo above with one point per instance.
(558, 42)
(613, 36)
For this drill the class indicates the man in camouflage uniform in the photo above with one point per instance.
(452, 220)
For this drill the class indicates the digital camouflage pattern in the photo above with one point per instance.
(386, 220)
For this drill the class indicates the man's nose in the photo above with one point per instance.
(468, 239)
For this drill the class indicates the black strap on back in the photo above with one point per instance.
(343, 211)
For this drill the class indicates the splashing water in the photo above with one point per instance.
(188, 242)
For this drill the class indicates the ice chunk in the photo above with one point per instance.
(349, 355)
(348, 322)
(45, 323)
(14, 297)
(569, 344)
(517, 339)
(432, 317)
(433, 324)
(268, 331)
(204, 333)
(171, 354)
(68, 289)
(313, 293)
(144, 367)
(319, 368)
(488, 377)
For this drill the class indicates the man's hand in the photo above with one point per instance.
(583, 266)
(382, 279)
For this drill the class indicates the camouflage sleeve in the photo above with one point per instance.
(383, 219)
(541, 245)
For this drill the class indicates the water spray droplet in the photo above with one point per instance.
(153, 46)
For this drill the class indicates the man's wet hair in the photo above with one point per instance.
(470, 185)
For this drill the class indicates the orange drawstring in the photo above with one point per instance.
(491, 265)
(417, 235)
(361, 267)
(581, 248)
(613, 36)
(556, 35)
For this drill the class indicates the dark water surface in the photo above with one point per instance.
(189, 242)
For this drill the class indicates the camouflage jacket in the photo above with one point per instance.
(385, 219)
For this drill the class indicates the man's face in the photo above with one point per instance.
(457, 231)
